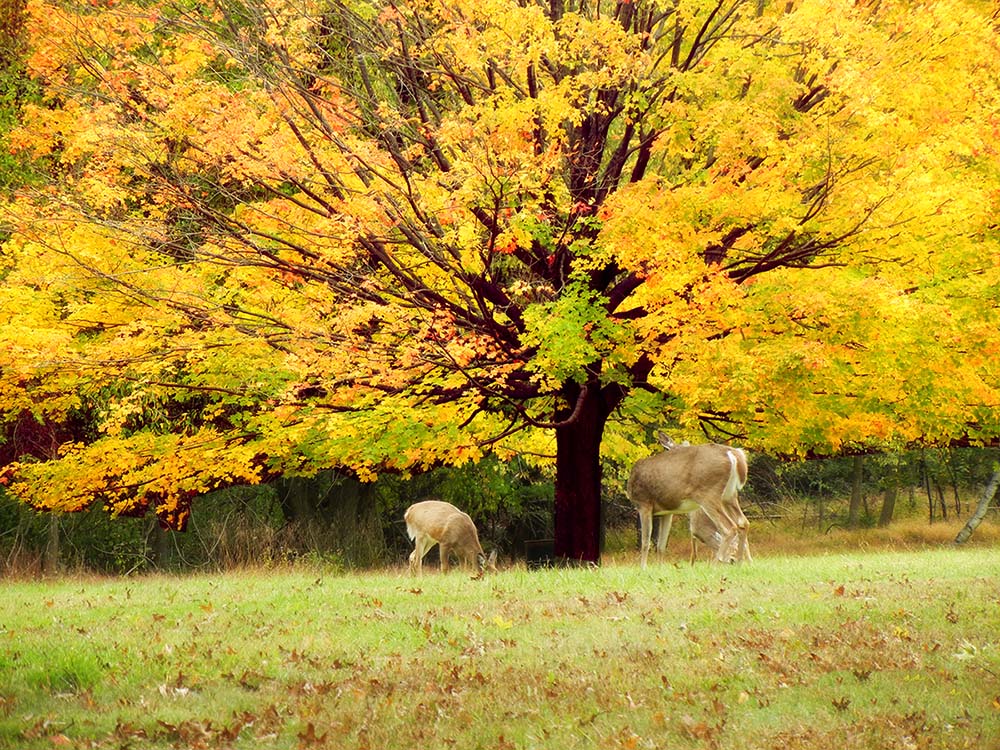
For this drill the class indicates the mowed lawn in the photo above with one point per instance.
(837, 651)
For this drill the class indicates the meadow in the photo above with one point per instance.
(846, 649)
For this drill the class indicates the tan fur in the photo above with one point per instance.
(684, 479)
(433, 522)
(702, 530)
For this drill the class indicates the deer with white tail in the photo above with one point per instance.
(687, 478)
(700, 526)
(431, 522)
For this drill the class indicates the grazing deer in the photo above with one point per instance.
(700, 526)
(702, 530)
(435, 522)
(686, 478)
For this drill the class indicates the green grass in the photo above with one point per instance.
(877, 650)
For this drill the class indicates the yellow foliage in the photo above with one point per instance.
(267, 247)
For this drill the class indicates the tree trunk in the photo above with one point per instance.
(298, 497)
(953, 475)
(889, 494)
(50, 556)
(158, 544)
(354, 526)
(888, 504)
(981, 508)
(857, 476)
(944, 503)
(579, 513)
(927, 489)
(333, 514)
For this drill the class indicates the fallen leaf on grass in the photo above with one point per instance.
(127, 733)
(251, 680)
(699, 730)
(309, 738)
(503, 624)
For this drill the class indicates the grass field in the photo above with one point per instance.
(835, 651)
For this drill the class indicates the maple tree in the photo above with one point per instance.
(383, 236)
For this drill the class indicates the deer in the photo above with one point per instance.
(431, 522)
(700, 526)
(688, 478)
(703, 530)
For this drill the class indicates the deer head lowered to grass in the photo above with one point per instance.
(702, 530)
(431, 522)
(688, 478)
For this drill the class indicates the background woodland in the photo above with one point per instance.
(304, 245)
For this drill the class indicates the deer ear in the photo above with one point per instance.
(663, 439)
(487, 563)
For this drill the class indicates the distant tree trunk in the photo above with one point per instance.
(953, 475)
(981, 508)
(355, 527)
(857, 476)
(298, 497)
(911, 478)
(890, 492)
(333, 513)
(926, 476)
(158, 544)
(50, 557)
(944, 503)
(888, 503)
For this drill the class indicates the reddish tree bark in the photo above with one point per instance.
(579, 512)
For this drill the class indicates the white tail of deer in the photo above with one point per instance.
(687, 478)
(433, 522)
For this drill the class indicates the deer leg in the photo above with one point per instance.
(732, 548)
(744, 543)
(414, 563)
(422, 545)
(645, 533)
(741, 545)
(663, 525)
(445, 553)
(743, 553)
(742, 526)
(428, 546)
